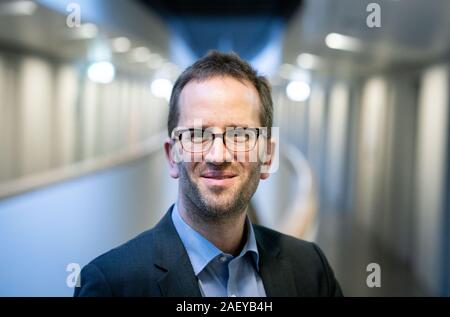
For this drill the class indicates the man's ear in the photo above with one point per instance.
(170, 151)
(267, 159)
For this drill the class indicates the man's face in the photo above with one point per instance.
(215, 181)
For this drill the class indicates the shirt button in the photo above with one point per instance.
(223, 259)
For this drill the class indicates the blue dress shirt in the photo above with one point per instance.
(218, 273)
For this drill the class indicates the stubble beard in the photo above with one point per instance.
(212, 207)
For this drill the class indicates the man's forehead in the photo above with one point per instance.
(219, 102)
(214, 126)
(217, 125)
(220, 88)
(222, 79)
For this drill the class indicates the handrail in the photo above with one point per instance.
(300, 219)
(78, 169)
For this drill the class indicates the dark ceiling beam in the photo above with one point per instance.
(280, 8)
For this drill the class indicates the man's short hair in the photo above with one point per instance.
(217, 64)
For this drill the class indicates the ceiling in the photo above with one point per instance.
(244, 26)
(412, 33)
(218, 8)
(45, 32)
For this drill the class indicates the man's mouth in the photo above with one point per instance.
(218, 178)
(218, 175)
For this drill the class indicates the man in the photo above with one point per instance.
(220, 117)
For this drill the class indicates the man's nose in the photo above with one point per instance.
(218, 153)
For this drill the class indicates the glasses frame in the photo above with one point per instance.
(177, 134)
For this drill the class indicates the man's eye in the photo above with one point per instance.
(197, 136)
(240, 136)
(196, 133)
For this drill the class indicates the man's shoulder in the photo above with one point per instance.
(122, 271)
(280, 239)
(288, 246)
(139, 251)
(130, 252)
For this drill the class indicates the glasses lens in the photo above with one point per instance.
(195, 140)
(240, 139)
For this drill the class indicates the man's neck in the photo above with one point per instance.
(227, 235)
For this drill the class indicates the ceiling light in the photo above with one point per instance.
(18, 8)
(101, 72)
(162, 88)
(343, 42)
(298, 90)
(141, 54)
(308, 61)
(121, 45)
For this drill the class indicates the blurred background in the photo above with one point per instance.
(361, 95)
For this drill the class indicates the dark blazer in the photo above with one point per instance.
(155, 263)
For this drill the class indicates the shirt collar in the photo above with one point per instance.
(201, 251)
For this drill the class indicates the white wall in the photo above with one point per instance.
(431, 170)
(75, 221)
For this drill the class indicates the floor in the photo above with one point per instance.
(349, 250)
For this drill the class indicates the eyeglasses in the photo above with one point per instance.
(235, 139)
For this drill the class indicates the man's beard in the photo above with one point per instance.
(217, 209)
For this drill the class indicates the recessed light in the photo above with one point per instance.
(121, 44)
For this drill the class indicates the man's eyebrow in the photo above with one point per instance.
(238, 125)
(231, 125)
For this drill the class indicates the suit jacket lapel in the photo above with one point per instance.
(178, 279)
(276, 273)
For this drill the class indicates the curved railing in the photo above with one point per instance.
(300, 218)
(287, 201)
(53, 176)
